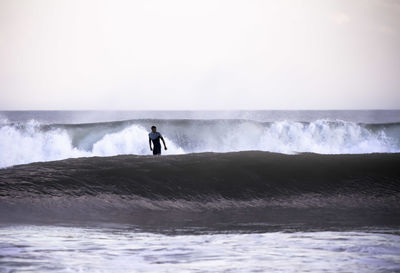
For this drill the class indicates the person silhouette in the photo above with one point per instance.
(155, 137)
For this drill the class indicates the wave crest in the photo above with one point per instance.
(32, 141)
(206, 188)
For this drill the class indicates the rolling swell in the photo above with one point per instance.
(207, 189)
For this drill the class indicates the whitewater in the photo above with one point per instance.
(33, 141)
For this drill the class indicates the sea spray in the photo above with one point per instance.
(32, 141)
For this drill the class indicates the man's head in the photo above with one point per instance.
(153, 129)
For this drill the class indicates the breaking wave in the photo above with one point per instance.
(28, 142)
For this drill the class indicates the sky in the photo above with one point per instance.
(199, 55)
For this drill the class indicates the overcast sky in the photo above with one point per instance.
(208, 54)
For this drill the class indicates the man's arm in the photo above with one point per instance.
(165, 146)
(151, 149)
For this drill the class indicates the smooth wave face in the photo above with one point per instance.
(32, 142)
(209, 189)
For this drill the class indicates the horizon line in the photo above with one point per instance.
(193, 110)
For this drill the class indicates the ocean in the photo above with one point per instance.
(236, 191)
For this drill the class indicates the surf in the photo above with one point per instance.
(33, 141)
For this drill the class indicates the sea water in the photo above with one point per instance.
(77, 249)
(32, 136)
(233, 193)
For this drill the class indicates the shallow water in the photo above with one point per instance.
(86, 249)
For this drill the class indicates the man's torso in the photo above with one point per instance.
(155, 138)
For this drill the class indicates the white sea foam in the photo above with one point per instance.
(31, 142)
(114, 249)
(131, 140)
(325, 137)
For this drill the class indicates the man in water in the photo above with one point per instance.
(155, 137)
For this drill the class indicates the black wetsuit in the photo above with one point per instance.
(155, 138)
